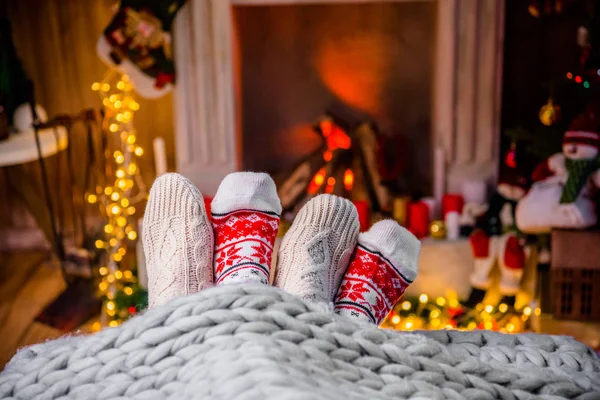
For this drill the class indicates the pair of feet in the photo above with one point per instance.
(322, 257)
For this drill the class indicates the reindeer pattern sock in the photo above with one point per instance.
(315, 252)
(178, 240)
(384, 264)
(245, 216)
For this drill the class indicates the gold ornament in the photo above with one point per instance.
(437, 230)
(549, 113)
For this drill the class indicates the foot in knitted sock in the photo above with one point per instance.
(245, 217)
(178, 240)
(384, 264)
(315, 252)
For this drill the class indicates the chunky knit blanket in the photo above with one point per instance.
(248, 342)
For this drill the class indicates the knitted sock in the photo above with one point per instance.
(384, 264)
(245, 216)
(178, 240)
(315, 252)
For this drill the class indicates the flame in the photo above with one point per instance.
(327, 155)
(335, 136)
(316, 181)
(348, 179)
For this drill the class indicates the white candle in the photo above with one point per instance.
(160, 156)
(141, 259)
(439, 174)
(452, 221)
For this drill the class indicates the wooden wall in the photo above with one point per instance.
(56, 41)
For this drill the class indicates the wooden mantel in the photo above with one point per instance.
(466, 98)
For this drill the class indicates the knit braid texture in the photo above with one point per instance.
(258, 342)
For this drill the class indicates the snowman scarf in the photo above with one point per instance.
(579, 172)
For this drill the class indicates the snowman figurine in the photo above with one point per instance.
(563, 195)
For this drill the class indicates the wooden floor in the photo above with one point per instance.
(27, 286)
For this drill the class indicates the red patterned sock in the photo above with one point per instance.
(245, 218)
(383, 265)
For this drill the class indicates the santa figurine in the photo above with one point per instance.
(495, 239)
(563, 195)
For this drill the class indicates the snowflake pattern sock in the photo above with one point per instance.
(315, 252)
(384, 264)
(245, 217)
(178, 240)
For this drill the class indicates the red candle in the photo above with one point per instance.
(452, 202)
(418, 219)
(363, 213)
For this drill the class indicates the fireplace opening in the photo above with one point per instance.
(295, 61)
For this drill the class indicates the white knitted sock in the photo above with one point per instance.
(315, 252)
(245, 216)
(178, 240)
(384, 264)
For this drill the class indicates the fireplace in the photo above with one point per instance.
(253, 76)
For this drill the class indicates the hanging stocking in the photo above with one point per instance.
(138, 43)
(512, 264)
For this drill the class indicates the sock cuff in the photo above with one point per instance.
(328, 210)
(246, 190)
(396, 244)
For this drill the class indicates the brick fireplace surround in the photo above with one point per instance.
(465, 119)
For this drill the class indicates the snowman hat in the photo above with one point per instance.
(584, 129)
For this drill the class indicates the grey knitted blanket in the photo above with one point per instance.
(248, 342)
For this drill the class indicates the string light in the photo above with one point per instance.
(442, 312)
(117, 199)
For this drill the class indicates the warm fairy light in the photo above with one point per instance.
(408, 325)
(488, 325)
(331, 181)
(406, 305)
(503, 308)
(96, 326)
(440, 301)
(510, 327)
(453, 303)
(320, 177)
(527, 311)
(435, 314)
(327, 155)
(395, 319)
(423, 298)
(117, 198)
(348, 179)
(537, 311)
(489, 308)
